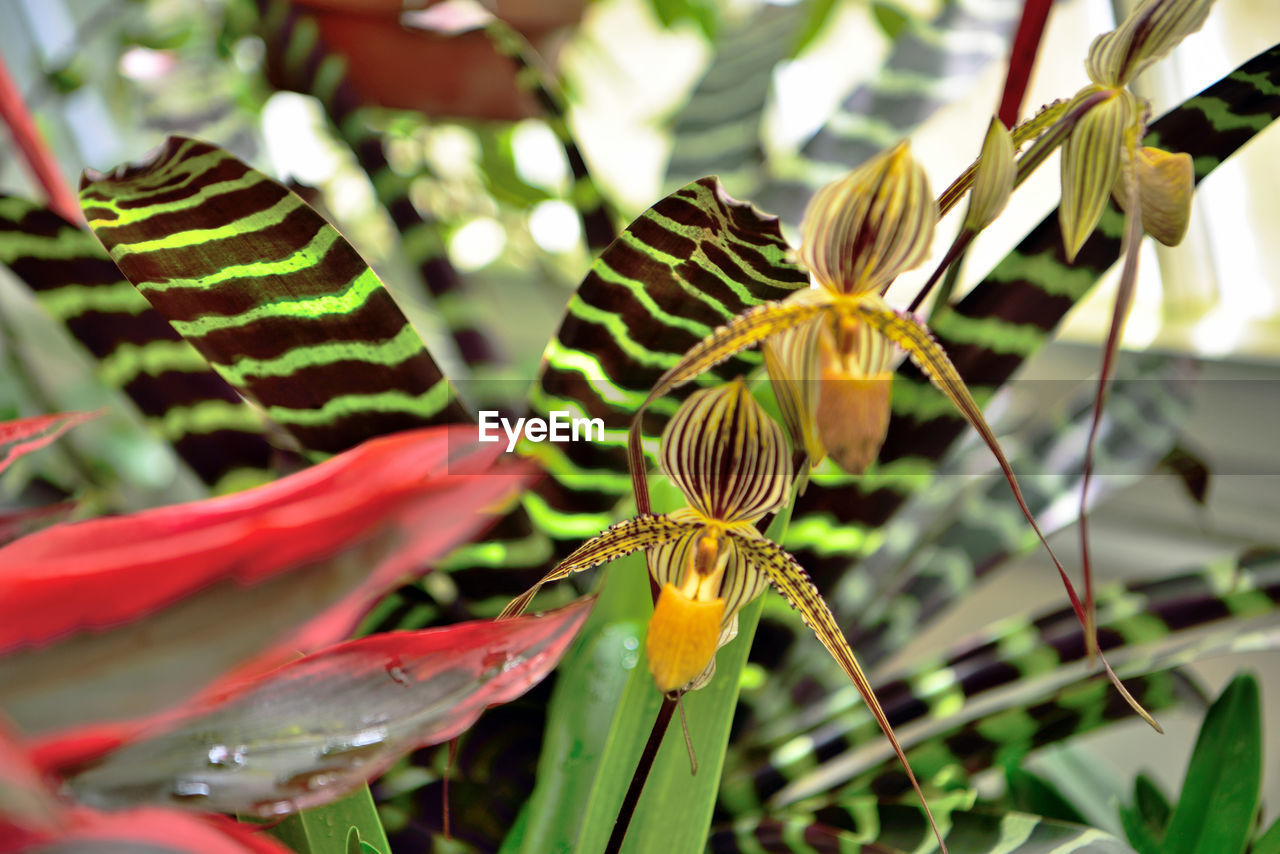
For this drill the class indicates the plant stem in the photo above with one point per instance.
(641, 774)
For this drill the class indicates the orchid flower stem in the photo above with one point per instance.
(641, 774)
(946, 290)
(1022, 59)
(950, 261)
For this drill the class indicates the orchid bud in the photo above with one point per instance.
(993, 181)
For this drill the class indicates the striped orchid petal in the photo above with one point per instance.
(861, 231)
(632, 535)
(791, 358)
(1152, 30)
(726, 455)
(1091, 165)
(746, 330)
(790, 579)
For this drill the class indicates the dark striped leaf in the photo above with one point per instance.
(270, 294)
(685, 266)
(1143, 622)
(184, 401)
(864, 826)
(298, 60)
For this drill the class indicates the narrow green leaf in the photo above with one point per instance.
(337, 828)
(1145, 820)
(1219, 800)
(600, 714)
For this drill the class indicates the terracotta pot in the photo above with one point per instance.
(459, 76)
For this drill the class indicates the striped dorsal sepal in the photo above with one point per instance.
(270, 293)
(212, 429)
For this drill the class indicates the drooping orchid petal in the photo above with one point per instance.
(1091, 165)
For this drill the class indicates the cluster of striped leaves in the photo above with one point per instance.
(271, 297)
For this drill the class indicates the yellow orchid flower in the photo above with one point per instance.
(733, 466)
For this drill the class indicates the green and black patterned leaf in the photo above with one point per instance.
(218, 435)
(270, 294)
(867, 827)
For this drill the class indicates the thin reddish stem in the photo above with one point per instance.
(43, 165)
(1022, 59)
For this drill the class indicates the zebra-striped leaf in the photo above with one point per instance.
(868, 827)
(1144, 622)
(270, 294)
(184, 401)
(685, 266)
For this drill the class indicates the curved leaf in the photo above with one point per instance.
(182, 399)
(31, 434)
(271, 294)
(135, 611)
(312, 730)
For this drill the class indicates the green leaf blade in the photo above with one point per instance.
(1219, 800)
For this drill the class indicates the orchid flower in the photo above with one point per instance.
(732, 464)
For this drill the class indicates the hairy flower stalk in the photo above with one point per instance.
(829, 348)
(732, 464)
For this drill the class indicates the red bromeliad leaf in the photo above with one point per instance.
(20, 522)
(312, 730)
(148, 830)
(32, 819)
(115, 618)
(30, 434)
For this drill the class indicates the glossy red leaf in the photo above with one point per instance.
(312, 730)
(115, 618)
(30, 434)
(32, 819)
